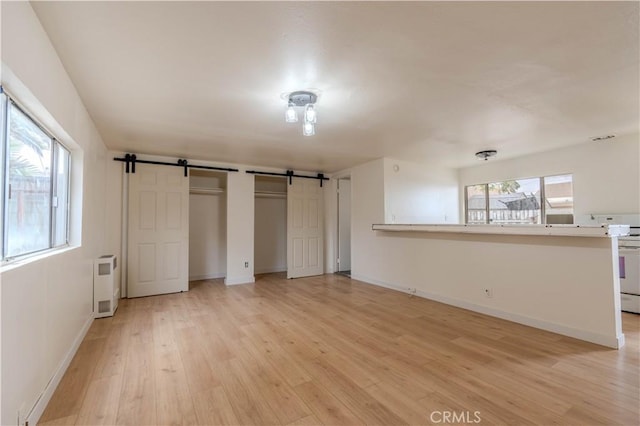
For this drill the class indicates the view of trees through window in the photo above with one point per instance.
(521, 201)
(36, 186)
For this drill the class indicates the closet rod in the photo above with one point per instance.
(290, 174)
(206, 191)
(132, 159)
(270, 194)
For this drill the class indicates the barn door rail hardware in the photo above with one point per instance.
(290, 174)
(130, 161)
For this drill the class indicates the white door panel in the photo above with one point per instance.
(314, 252)
(158, 240)
(146, 265)
(305, 248)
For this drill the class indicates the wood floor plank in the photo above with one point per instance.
(330, 350)
(112, 360)
(195, 360)
(280, 360)
(248, 403)
(137, 405)
(63, 421)
(99, 329)
(174, 404)
(411, 411)
(100, 405)
(306, 421)
(213, 408)
(284, 402)
(75, 381)
(355, 398)
(212, 340)
(325, 406)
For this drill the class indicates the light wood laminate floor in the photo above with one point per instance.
(331, 350)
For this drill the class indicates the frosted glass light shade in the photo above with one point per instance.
(308, 129)
(310, 113)
(291, 116)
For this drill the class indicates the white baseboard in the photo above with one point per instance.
(271, 270)
(615, 342)
(36, 412)
(206, 277)
(240, 280)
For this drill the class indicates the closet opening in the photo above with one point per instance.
(270, 224)
(207, 225)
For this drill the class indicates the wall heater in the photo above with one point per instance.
(106, 286)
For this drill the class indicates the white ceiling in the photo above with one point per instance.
(420, 81)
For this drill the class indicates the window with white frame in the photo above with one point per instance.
(540, 200)
(35, 185)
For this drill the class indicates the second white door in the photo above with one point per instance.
(305, 246)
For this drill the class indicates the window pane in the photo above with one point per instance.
(61, 196)
(558, 193)
(28, 225)
(515, 202)
(476, 204)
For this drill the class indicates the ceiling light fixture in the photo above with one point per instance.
(308, 129)
(310, 113)
(484, 155)
(306, 99)
(291, 116)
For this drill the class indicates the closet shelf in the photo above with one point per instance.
(202, 190)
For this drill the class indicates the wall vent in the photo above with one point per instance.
(104, 306)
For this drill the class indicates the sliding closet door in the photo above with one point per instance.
(158, 242)
(305, 246)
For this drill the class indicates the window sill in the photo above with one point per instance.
(27, 259)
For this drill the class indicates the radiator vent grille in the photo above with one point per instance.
(104, 269)
(104, 306)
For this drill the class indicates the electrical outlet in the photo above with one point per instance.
(246, 264)
(488, 292)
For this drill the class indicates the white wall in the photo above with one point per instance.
(383, 193)
(419, 193)
(344, 224)
(367, 208)
(270, 224)
(240, 225)
(606, 175)
(46, 302)
(207, 227)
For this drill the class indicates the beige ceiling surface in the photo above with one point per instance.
(421, 81)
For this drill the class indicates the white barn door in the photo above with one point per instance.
(158, 241)
(305, 247)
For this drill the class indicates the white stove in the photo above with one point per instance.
(629, 253)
